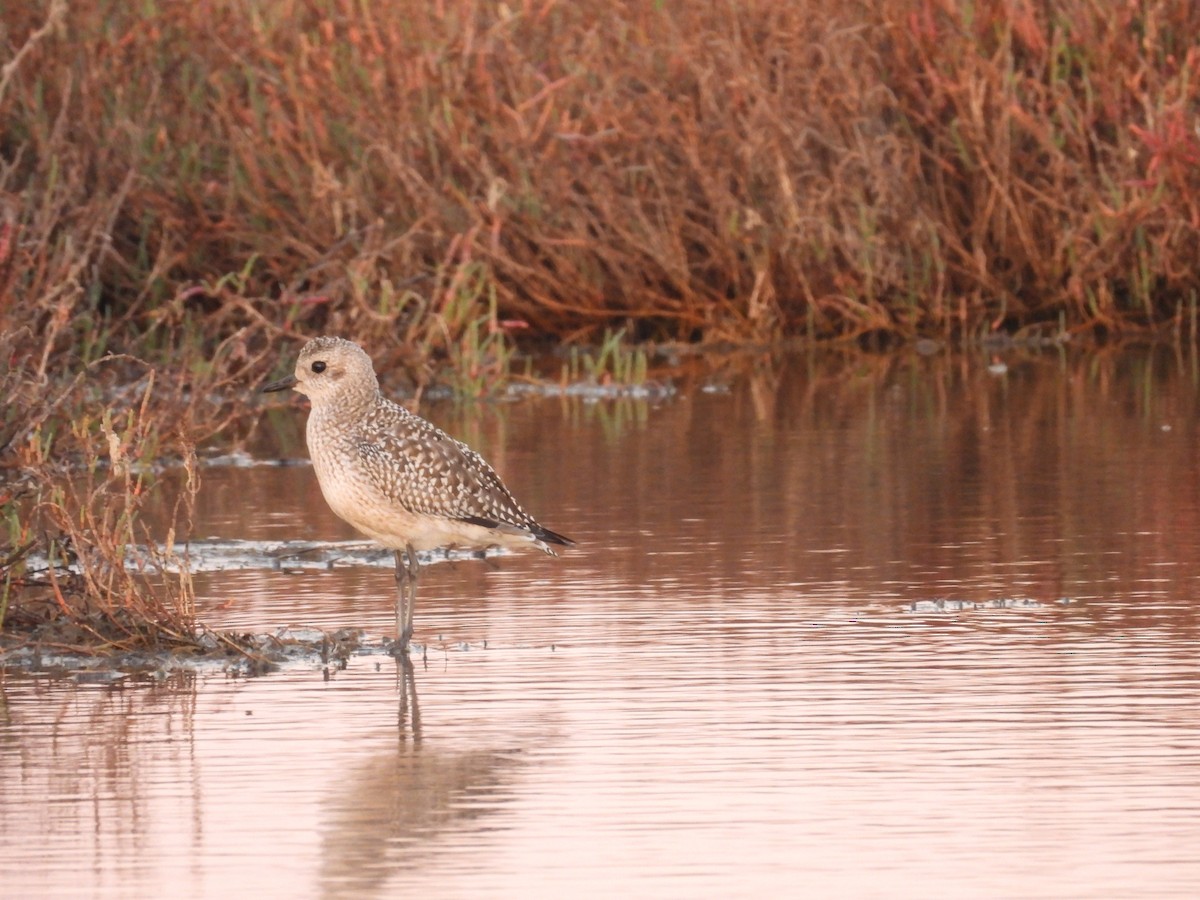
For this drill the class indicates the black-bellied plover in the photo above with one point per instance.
(397, 478)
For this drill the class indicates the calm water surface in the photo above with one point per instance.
(737, 683)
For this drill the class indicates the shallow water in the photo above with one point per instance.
(900, 628)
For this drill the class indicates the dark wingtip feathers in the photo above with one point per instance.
(542, 534)
(552, 537)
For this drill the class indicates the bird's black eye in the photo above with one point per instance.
(318, 367)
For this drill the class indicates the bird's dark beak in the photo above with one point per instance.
(281, 385)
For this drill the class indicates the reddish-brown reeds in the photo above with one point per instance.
(705, 171)
(97, 482)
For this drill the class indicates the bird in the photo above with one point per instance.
(398, 478)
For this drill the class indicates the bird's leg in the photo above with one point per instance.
(414, 569)
(403, 613)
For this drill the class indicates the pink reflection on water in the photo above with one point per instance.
(724, 690)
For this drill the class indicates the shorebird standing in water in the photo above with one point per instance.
(397, 478)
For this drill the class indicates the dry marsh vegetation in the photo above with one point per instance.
(198, 185)
(80, 565)
(728, 170)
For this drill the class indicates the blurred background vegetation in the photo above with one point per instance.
(173, 175)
